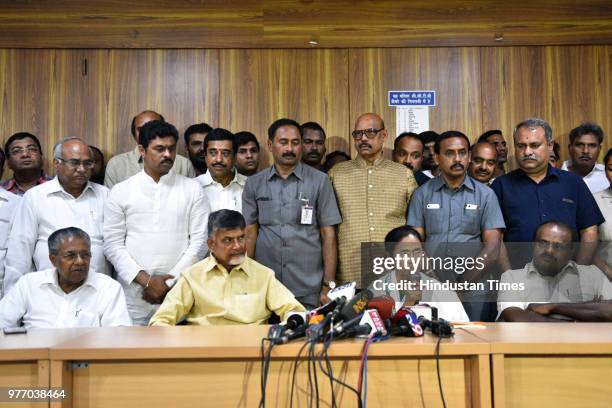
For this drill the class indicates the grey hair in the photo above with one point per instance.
(55, 239)
(57, 149)
(532, 123)
(224, 219)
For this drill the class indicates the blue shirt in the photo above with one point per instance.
(560, 196)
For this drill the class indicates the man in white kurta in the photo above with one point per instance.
(68, 294)
(68, 200)
(8, 207)
(155, 224)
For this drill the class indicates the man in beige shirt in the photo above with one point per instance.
(372, 193)
(125, 165)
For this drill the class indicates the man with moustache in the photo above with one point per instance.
(483, 163)
(68, 294)
(373, 195)
(222, 184)
(496, 138)
(555, 288)
(194, 143)
(154, 224)
(429, 166)
(228, 287)
(408, 150)
(536, 192)
(68, 200)
(313, 139)
(291, 214)
(24, 158)
(584, 147)
(454, 208)
(125, 165)
(247, 153)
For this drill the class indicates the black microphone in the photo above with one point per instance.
(405, 323)
(438, 327)
(353, 311)
(293, 322)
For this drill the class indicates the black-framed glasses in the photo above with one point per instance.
(75, 164)
(369, 133)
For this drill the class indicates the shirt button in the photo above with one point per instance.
(371, 228)
(284, 243)
(371, 214)
(369, 171)
(370, 186)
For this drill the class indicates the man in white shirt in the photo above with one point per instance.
(68, 200)
(125, 165)
(155, 224)
(68, 294)
(222, 184)
(8, 207)
(584, 147)
(552, 286)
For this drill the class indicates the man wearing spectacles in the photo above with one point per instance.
(68, 200)
(24, 158)
(68, 294)
(553, 287)
(125, 165)
(372, 192)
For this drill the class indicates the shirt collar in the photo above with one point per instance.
(56, 187)
(439, 182)
(571, 267)
(136, 155)
(597, 168)
(50, 278)
(238, 179)
(167, 179)
(550, 172)
(298, 171)
(362, 163)
(11, 184)
(211, 263)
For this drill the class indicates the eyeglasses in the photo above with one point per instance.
(557, 246)
(369, 133)
(75, 164)
(21, 150)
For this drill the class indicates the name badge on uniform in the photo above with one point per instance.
(433, 206)
(472, 206)
(306, 218)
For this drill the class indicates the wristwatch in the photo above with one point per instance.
(330, 284)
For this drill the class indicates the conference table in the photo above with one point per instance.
(483, 365)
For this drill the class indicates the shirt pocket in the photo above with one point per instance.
(568, 208)
(267, 212)
(86, 319)
(470, 223)
(246, 307)
(434, 221)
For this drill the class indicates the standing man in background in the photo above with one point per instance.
(125, 165)
(25, 159)
(313, 139)
(222, 184)
(496, 138)
(483, 163)
(291, 213)
(68, 200)
(372, 192)
(408, 150)
(584, 147)
(194, 144)
(247, 153)
(155, 224)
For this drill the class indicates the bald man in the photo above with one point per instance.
(372, 192)
(125, 165)
(483, 164)
(68, 200)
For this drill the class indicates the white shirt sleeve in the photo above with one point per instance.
(508, 298)
(115, 313)
(115, 232)
(21, 243)
(13, 305)
(198, 227)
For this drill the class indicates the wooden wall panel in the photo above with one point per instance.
(563, 85)
(260, 86)
(293, 23)
(454, 73)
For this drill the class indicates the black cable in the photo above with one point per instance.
(262, 401)
(438, 370)
(314, 370)
(296, 362)
(359, 401)
(325, 355)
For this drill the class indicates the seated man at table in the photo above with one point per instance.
(228, 287)
(553, 287)
(67, 295)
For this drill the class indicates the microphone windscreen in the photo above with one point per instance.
(356, 306)
(385, 305)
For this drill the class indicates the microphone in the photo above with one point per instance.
(370, 324)
(347, 290)
(385, 305)
(295, 320)
(438, 327)
(356, 306)
(406, 323)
